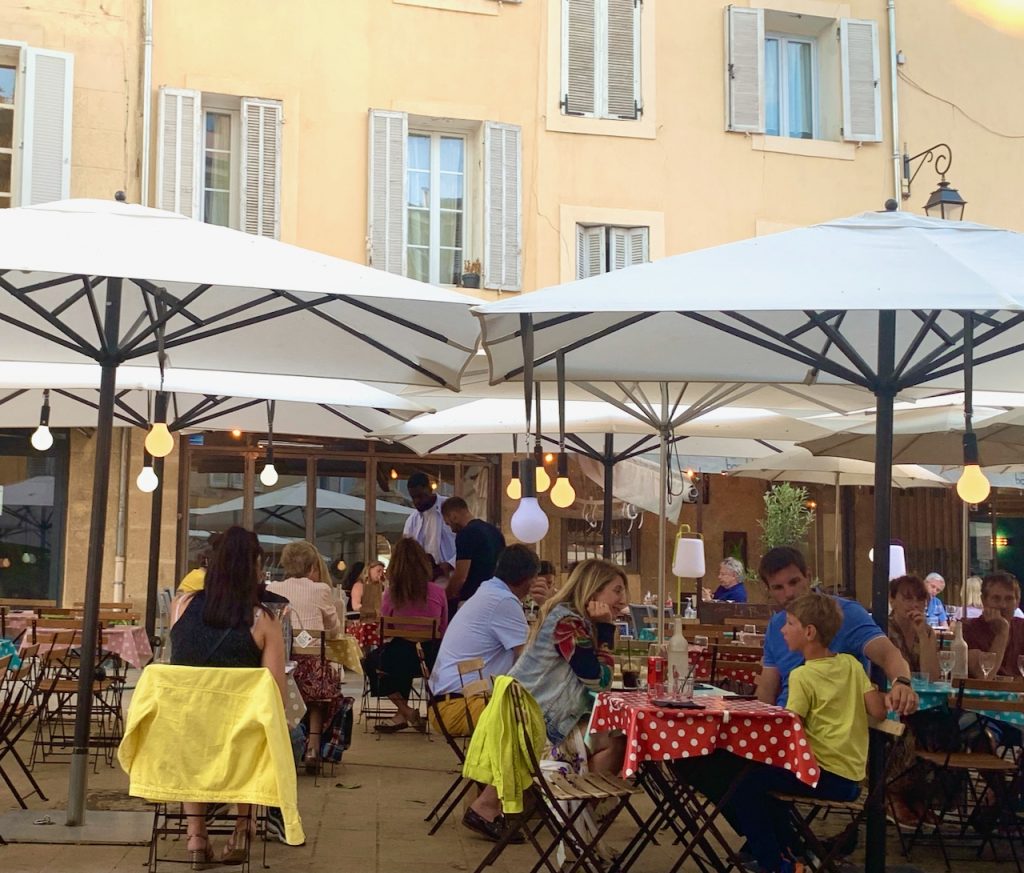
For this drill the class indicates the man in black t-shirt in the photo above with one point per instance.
(477, 545)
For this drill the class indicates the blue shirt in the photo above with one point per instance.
(857, 630)
(736, 594)
(935, 613)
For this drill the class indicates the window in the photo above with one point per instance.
(429, 212)
(601, 58)
(603, 248)
(783, 82)
(790, 86)
(35, 125)
(219, 159)
(436, 185)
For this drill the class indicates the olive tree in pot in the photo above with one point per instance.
(787, 517)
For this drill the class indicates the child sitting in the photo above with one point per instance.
(832, 695)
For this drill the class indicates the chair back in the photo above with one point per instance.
(108, 605)
(988, 695)
(412, 628)
(318, 648)
(735, 622)
(26, 603)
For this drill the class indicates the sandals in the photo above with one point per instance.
(200, 859)
(236, 848)
(390, 727)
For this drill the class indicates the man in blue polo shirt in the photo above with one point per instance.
(784, 571)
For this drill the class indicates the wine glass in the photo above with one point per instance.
(946, 664)
(988, 661)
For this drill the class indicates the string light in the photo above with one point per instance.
(41, 438)
(159, 442)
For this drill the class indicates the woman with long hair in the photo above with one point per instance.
(225, 625)
(367, 589)
(409, 594)
(568, 655)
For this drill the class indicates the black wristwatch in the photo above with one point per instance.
(902, 680)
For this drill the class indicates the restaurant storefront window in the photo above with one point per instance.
(33, 504)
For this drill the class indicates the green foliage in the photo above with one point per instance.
(786, 517)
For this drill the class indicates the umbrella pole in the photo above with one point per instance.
(94, 567)
(152, 580)
(838, 535)
(885, 392)
(609, 482)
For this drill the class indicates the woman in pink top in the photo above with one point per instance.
(410, 594)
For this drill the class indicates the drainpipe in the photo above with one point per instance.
(122, 515)
(147, 94)
(897, 160)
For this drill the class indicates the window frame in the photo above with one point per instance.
(219, 106)
(607, 242)
(12, 54)
(784, 39)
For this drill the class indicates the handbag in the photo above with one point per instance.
(339, 733)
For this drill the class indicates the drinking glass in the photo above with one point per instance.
(946, 664)
(701, 641)
(1020, 665)
(988, 661)
(750, 629)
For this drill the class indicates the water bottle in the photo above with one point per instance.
(959, 649)
(678, 667)
(688, 610)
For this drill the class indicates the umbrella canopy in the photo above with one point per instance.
(799, 307)
(799, 465)
(303, 313)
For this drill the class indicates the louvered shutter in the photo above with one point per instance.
(261, 167)
(502, 206)
(179, 151)
(386, 187)
(628, 246)
(590, 251)
(623, 58)
(744, 71)
(862, 97)
(579, 56)
(46, 126)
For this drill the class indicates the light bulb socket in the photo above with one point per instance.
(44, 412)
(563, 465)
(515, 470)
(971, 448)
(160, 407)
(528, 477)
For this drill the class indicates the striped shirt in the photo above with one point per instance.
(312, 604)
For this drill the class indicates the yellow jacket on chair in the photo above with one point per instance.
(497, 752)
(211, 735)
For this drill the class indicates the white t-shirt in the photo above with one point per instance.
(428, 528)
(490, 625)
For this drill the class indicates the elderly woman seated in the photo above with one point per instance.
(568, 655)
(730, 583)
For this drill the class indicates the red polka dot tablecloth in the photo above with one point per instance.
(367, 633)
(748, 728)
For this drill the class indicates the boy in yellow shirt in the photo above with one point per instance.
(833, 696)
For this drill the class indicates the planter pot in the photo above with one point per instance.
(470, 280)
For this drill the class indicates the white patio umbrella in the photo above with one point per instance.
(111, 283)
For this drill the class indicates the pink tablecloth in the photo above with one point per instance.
(748, 728)
(130, 643)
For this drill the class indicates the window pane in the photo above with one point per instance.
(419, 189)
(7, 77)
(452, 150)
(340, 512)
(5, 172)
(217, 208)
(216, 494)
(218, 171)
(6, 128)
(419, 264)
(800, 92)
(419, 152)
(451, 229)
(451, 191)
(771, 87)
(419, 227)
(451, 266)
(218, 131)
(279, 510)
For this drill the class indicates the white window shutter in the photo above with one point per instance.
(386, 190)
(744, 69)
(179, 150)
(502, 207)
(261, 167)
(862, 91)
(590, 251)
(579, 56)
(46, 126)
(623, 58)
(628, 246)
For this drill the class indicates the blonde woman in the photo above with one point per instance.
(367, 590)
(569, 655)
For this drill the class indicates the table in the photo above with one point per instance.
(7, 647)
(129, 642)
(347, 652)
(367, 633)
(934, 696)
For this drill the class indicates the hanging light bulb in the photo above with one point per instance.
(548, 458)
(563, 494)
(268, 475)
(147, 479)
(236, 433)
(972, 486)
(159, 442)
(529, 523)
(41, 438)
(394, 473)
(542, 481)
(514, 490)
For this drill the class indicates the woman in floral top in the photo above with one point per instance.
(908, 627)
(569, 655)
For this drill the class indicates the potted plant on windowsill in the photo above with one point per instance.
(471, 274)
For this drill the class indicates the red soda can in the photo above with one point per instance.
(655, 670)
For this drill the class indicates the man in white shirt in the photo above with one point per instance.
(427, 525)
(490, 625)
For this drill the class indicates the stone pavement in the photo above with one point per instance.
(366, 817)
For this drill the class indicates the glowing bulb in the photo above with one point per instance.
(147, 480)
(433, 486)
(514, 489)
(41, 438)
(268, 475)
(548, 458)
(529, 523)
(972, 486)
(541, 479)
(563, 494)
(159, 442)
(236, 433)
(394, 473)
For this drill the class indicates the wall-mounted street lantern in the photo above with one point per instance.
(944, 202)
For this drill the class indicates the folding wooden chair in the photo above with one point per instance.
(414, 630)
(316, 649)
(736, 667)
(804, 811)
